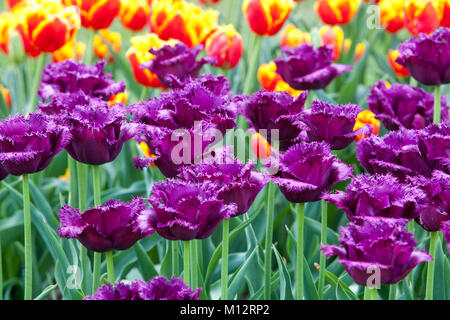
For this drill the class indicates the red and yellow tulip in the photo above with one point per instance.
(134, 14)
(334, 36)
(266, 17)
(6, 25)
(260, 146)
(138, 54)
(367, 117)
(146, 151)
(293, 37)
(183, 21)
(337, 11)
(121, 97)
(98, 14)
(272, 81)
(71, 50)
(399, 70)
(392, 15)
(113, 39)
(225, 44)
(422, 15)
(445, 20)
(6, 96)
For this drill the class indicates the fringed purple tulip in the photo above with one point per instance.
(375, 245)
(434, 143)
(427, 58)
(434, 209)
(159, 288)
(176, 63)
(98, 131)
(184, 210)
(404, 106)
(192, 114)
(446, 231)
(235, 182)
(396, 153)
(70, 77)
(276, 111)
(308, 170)
(104, 228)
(28, 145)
(378, 195)
(3, 173)
(306, 68)
(333, 124)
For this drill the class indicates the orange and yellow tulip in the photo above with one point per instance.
(293, 37)
(283, 86)
(183, 21)
(113, 39)
(146, 151)
(337, 11)
(260, 146)
(399, 70)
(367, 117)
(392, 15)
(46, 25)
(266, 17)
(272, 81)
(121, 97)
(134, 14)
(334, 36)
(138, 54)
(71, 50)
(422, 15)
(6, 25)
(225, 44)
(6, 96)
(98, 14)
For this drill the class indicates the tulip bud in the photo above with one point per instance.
(113, 39)
(134, 14)
(367, 117)
(333, 36)
(336, 11)
(260, 146)
(293, 37)
(399, 70)
(98, 14)
(266, 17)
(225, 44)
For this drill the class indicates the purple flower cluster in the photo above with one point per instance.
(173, 64)
(159, 288)
(192, 113)
(71, 77)
(426, 57)
(369, 244)
(404, 106)
(306, 68)
(113, 226)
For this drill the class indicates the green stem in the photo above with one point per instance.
(97, 202)
(268, 244)
(393, 292)
(253, 65)
(300, 229)
(187, 272)
(1, 271)
(82, 194)
(437, 105)
(370, 293)
(27, 233)
(73, 196)
(175, 266)
(36, 81)
(194, 264)
(110, 266)
(144, 93)
(225, 250)
(430, 271)
(323, 237)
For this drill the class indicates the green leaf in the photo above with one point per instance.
(145, 264)
(335, 282)
(46, 292)
(285, 278)
(238, 281)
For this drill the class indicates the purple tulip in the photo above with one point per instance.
(98, 131)
(374, 244)
(434, 209)
(3, 173)
(276, 111)
(446, 231)
(235, 182)
(396, 153)
(104, 228)
(189, 113)
(159, 288)
(308, 170)
(28, 145)
(173, 64)
(378, 195)
(404, 106)
(427, 57)
(434, 143)
(306, 68)
(185, 210)
(333, 124)
(70, 77)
